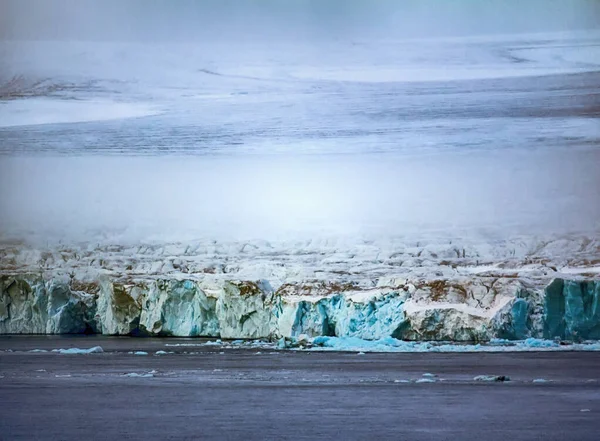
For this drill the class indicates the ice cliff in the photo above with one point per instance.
(435, 289)
(477, 309)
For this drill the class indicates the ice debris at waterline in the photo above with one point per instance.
(360, 347)
(390, 344)
(474, 309)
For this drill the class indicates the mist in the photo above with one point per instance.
(175, 199)
(259, 119)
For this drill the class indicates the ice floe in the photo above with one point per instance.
(94, 350)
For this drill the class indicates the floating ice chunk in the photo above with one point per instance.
(491, 378)
(360, 353)
(136, 375)
(501, 341)
(188, 344)
(140, 353)
(538, 343)
(94, 350)
(540, 380)
(38, 350)
(584, 410)
(212, 343)
(425, 380)
(428, 375)
(160, 353)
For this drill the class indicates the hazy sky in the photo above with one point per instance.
(189, 19)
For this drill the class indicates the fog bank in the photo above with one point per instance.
(189, 198)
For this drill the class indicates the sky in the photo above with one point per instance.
(135, 20)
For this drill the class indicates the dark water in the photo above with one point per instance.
(217, 393)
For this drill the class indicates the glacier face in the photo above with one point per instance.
(29, 305)
(572, 309)
(469, 309)
(176, 307)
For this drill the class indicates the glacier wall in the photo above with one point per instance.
(28, 305)
(572, 310)
(471, 309)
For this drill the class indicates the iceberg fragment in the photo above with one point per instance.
(492, 378)
(136, 375)
(94, 350)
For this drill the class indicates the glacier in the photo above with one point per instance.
(320, 293)
(467, 310)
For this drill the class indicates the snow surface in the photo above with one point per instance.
(368, 262)
(289, 97)
(36, 111)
